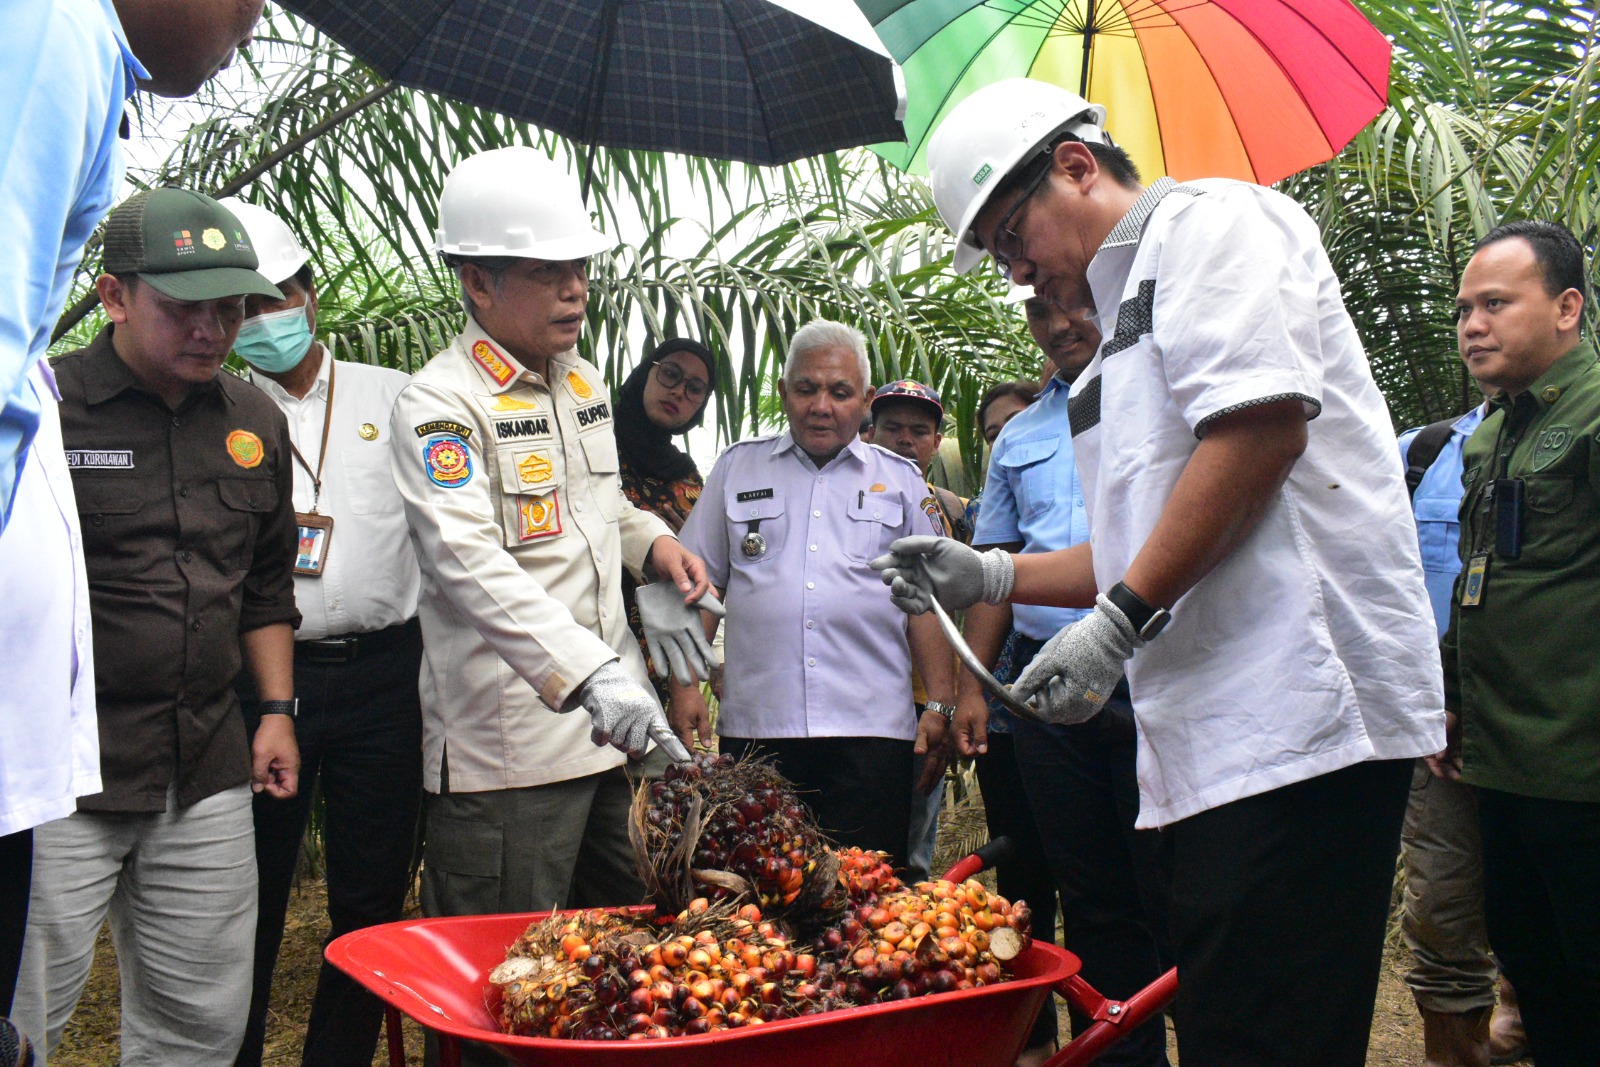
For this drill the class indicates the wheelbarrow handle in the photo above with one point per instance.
(993, 854)
(1114, 1019)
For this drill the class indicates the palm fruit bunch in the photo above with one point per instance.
(731, 829)
(863, 875)
(615, 976)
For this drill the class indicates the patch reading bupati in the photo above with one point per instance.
(519, 429)
(100, 459)
(245, 448)
(493, 364)
(447, 461)
(594, 414)
(930, 508)
(444, 426)
(538, 516)
(753, 494)
(534, 468)
(579, 387)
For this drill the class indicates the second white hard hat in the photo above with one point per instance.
(985, 136)
(515, 202)
(277, 247)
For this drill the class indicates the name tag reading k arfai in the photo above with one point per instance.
(315, 534)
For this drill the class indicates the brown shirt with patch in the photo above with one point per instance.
(189, 539)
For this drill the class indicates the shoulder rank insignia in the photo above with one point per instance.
(493, 364)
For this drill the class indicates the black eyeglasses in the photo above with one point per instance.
(670, 375)
(1008, 244)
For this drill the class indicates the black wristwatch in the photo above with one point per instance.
(1147, 620)
(279, 707)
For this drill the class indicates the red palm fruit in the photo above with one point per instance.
(673, 955)
(641, 1002)
(638, 1024)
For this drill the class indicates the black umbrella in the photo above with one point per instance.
(747, 80)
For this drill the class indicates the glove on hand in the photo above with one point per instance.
(1077, 669)
(625, 714)
(920, 569)
(674, 633)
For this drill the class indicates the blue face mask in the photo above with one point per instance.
(275, 342)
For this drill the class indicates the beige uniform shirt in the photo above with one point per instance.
(517, 514)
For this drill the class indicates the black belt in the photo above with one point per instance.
(347, 648)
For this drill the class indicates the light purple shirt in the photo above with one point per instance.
(813, 646)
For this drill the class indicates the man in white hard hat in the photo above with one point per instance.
(1252, 562)
(357, 653)
(507, 462)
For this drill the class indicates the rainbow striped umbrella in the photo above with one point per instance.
(1253, 89)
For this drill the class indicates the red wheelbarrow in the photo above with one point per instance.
(436, 971)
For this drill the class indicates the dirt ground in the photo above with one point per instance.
(91, 1039)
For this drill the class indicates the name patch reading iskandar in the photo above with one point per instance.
(115, 458)
(515, 429)
(753, 494)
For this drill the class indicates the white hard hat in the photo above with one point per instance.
(515, 202)
(985, 136)
(277, 247)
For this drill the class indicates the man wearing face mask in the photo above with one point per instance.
(357, 653)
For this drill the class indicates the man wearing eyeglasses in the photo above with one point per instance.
(1253, 564)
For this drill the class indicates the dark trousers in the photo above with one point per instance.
(1278, 908)
(1085, 796)
(360, 736)
(16, 877)
(855, 786)
(1541, 874)
(1026, 874)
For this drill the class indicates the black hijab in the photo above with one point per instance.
(645, 447)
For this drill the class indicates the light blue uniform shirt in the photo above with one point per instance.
(1032, 494)
(1437, 506)
(65, 71)
(813, 645)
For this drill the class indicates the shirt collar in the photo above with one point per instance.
(1549, 386)
(497, 367)
(785, 443)
(106, 376)
(132, 69)
(1131, 226)
(1056, 382)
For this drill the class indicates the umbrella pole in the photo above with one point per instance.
(597, 90)
(1088, 43)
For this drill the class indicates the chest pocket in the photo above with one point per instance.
(874, 525)
(245, 504)
(109, 513)
(369, 484)
(600, 450)
(1558, 520)
(764, 517)
(532, 502)
(1438, 533)
(1029, 468)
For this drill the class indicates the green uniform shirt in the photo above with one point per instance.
(1522, 667)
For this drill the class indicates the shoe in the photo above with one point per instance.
(1508, 1041)
(1455, 1038)
(14, 1048)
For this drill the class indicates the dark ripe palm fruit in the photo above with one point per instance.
(750, 809)
(696, 1026)
(944, 981)
(662, 1016)
(641, 1002)
(592, 966)
(638, 1024)
(900, 991)
(608, 989)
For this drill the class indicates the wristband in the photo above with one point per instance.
(279, 707)
(1146, 619)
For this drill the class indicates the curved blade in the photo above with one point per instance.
(969, 660)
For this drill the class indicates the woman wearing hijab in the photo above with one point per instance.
(664, 396)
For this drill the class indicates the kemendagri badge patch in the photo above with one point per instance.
(1551, 446)
(930, 508)
(447, 461)
(245, 448)
(492, 362)
(538, 516)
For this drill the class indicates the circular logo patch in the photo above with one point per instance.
(213, 239)
(368, 432)
(447, 460)
(245, 448)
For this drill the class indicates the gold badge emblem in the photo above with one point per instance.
(368, 432)
(538, 516)
(511, 403)
(877, 487)
(579, 387)
(213, 239)
(534, 469)
(245, 448)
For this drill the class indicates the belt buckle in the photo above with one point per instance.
(332, 650)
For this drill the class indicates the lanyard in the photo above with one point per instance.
(322, 453)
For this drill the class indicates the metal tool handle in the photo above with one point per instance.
(969, 660)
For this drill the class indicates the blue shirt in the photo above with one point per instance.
(813, 646)
(1437, 505)
(1032, 494)
(65, 71)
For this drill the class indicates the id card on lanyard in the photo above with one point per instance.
(315, 531)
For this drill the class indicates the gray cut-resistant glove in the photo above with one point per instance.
(919, 569)
(625, 714)
(674, 633)
(1077, 669)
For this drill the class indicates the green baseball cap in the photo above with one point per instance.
(185, 245)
